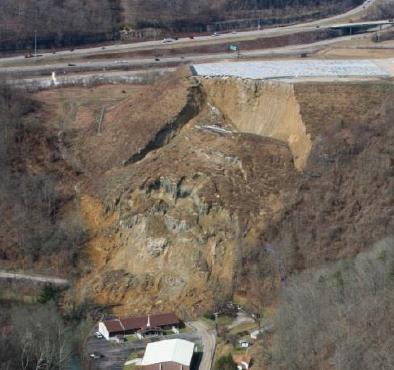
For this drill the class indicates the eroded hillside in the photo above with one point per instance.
(187, 182)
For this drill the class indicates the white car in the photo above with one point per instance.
(96, 355)
(166, 40)
(215, 34)
(98, 335)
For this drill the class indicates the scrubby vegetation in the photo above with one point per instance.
(30, 195)
(225, 363)
(341, 316)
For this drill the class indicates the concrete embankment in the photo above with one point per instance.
(87, 80)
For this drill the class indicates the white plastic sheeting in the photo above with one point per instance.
(291, 69)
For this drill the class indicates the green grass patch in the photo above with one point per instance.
(225, 320)
(130, 367)
(246, 326)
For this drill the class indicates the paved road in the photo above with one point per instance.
(35, 278)
(208, 338)
(182, 42)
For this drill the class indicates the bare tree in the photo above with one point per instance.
(42, 338)
(343, 315)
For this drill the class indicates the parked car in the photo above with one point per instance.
(215, 34)
(96, 355)
(167, 39)
(98, 335)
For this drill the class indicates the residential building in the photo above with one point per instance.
(143, 325)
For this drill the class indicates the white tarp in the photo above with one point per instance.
(291, 69)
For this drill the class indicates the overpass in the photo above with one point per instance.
(361, 26)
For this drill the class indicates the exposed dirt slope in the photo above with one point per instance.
(266, 109)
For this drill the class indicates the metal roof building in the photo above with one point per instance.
(172, 354)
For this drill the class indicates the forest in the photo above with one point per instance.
(60, 23)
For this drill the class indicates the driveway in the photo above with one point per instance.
(208, 338)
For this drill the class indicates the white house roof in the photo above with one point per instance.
(172, 350)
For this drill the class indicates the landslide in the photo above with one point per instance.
(182, 214)
(306, 170)
(179, 216)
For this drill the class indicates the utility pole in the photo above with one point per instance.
(35, 43)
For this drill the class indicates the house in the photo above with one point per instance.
(172, 354)
(243, 343)
(260, 332)
(255, 334)
(143, 325)
(243, 361)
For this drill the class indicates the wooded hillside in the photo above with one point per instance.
(57, 22)
(73, 22)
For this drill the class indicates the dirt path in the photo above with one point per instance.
(34, 278)
(208, 338)
(242, 318)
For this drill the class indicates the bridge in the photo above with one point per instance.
(361, 26)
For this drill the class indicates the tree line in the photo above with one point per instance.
(56, 22)
(60, 23)
(183, 14)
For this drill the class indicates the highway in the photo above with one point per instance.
(185, 42)
(130, 66)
